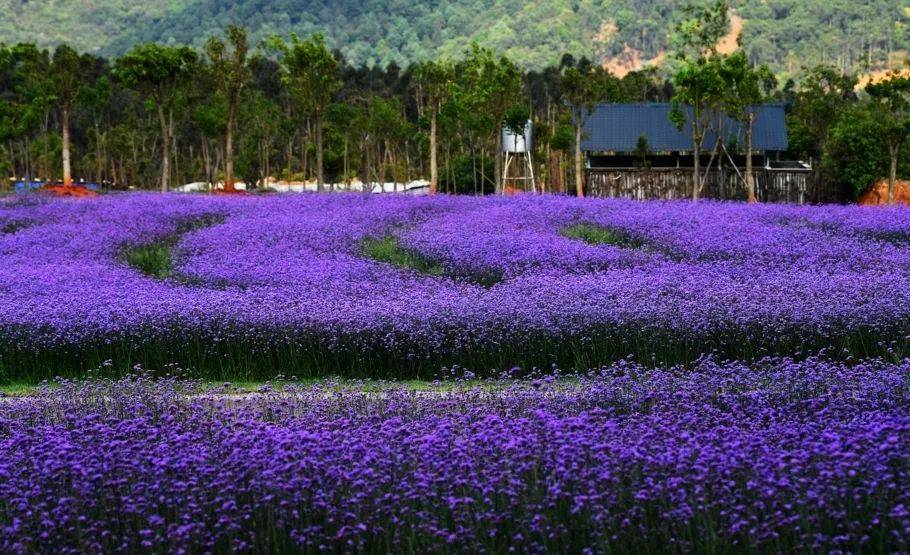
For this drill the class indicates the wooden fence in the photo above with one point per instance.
(800, 186)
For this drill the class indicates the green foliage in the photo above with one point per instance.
(598, 235)
(746, 86)
(699, 85)
(402, 31)
(389, 251)
(562, 138)
(435, 79)
(153, 259)
(516, 119)
(700, 30)
(466, 174)
(228, 63)
(157, 71)
(823, 95)
(891, 98)
(156, 259)
(642, 150)
(855, 154)
(585, 86)
(309, 71)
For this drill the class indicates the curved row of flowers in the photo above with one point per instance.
(282, 283)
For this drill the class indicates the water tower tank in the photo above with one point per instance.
(515, 143)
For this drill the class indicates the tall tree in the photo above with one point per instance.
(310, 72)
(68, 69)
(746, 87)
(160, 74)
(583, 87)
(823, 95)
(492, 85)
(700, 31)
(698, 86)
(699, 92)
(231, 73)
(892, 100)
(434, 81)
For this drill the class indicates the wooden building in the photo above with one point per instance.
(635, 151)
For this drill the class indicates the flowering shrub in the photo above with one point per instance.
(285, 283)
(716, 457)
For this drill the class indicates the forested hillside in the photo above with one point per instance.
(787, 34)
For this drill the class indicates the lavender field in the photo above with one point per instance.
(608, 376)
(401, 287)
(777, 456)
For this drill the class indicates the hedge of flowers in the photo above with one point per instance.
(777, 455)
(281, 283)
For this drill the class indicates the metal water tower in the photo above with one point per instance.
(517, 150)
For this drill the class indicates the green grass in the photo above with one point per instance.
(598, 235)
(154, 259)
(389, 251)
(18, 389)
(213, 387)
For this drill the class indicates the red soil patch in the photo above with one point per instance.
(877, 195)
(630, 59)
(68, 191)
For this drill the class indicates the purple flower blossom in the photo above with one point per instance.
(777, 455)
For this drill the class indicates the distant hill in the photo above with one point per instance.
(786, 34)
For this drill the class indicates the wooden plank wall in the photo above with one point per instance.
(771, 185)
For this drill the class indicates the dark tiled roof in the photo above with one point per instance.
(617, 127)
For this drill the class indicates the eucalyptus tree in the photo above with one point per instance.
(435, 81)
(34, 97)
(746, 87)
(230, 72)
(891, 97)
(699, 88)
(697, 102)
(67, 71)
(583, 86)
(491, 85)
(823, 95)
(310, 72)
(160, 74)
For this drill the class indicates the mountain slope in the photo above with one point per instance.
(784, 33)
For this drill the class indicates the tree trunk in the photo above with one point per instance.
(165, 149)
(750, 177)
(320, 177)
(229, 151)
(434, 171)
(696, 172)
(892, 177)
(175, 149)
(579, 175)
(497, 161)
(65, 124)
(99, 162)
(47, 157)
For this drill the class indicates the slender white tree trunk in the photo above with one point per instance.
(165, 149)
(434, 170)
(229, 152)
(320, 177)
(65, 123)
(750, 177)
(579, 174)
